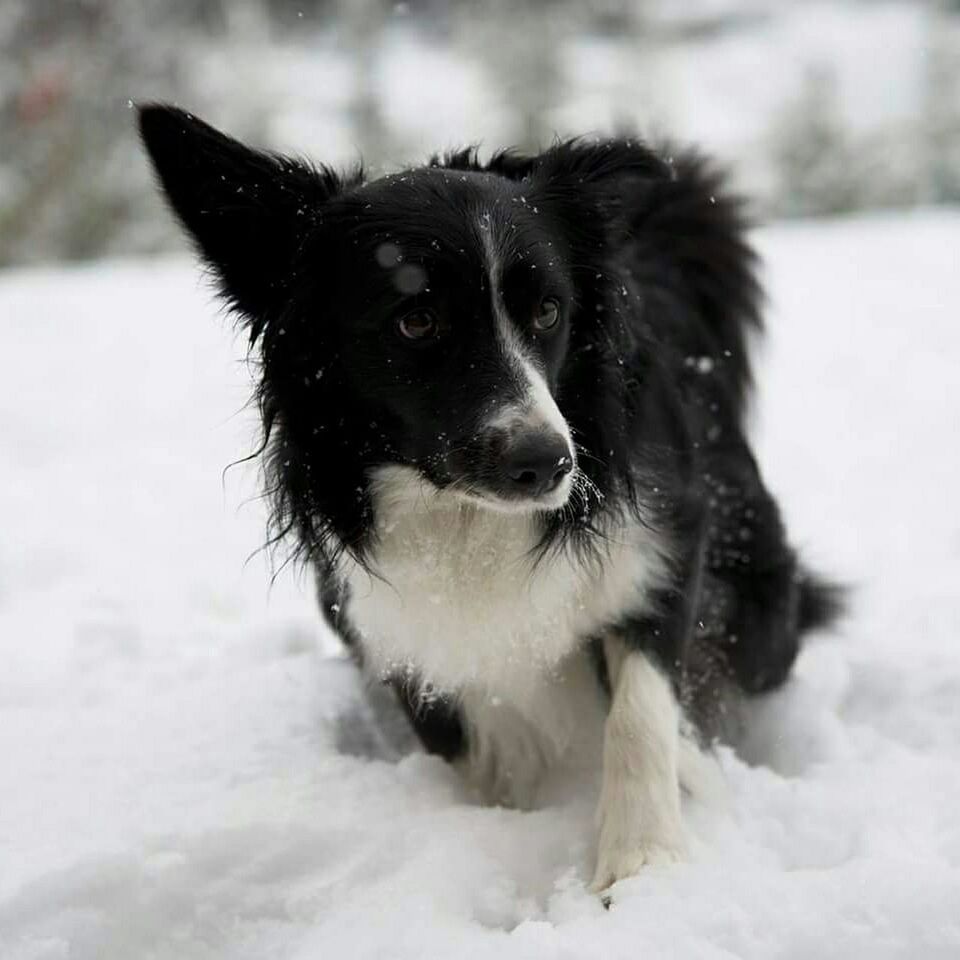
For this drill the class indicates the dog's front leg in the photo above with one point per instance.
(639, 809)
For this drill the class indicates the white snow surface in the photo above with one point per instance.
(189, 769)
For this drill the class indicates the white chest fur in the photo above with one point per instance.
(458, 595)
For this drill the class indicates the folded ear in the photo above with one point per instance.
(249, 212)
(597, 184)
(603, 161)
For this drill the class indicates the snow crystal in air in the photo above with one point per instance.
(388, 255)
(410, 279)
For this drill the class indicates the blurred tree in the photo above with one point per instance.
(940, 116)
(67, 166)
(522, 47)
(362, 23)
(816, 165)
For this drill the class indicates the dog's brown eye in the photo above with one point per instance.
(419, 325)
(547, 314)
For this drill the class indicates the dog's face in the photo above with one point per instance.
(452, 305)
(443, 298)
(453, 320)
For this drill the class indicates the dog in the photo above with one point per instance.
(503, 420)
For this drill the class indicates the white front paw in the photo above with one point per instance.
(617, 861)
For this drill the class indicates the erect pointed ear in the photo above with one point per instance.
(249, 212)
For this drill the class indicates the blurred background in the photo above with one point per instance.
(815, 108)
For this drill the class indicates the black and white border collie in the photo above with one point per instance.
(503, 420)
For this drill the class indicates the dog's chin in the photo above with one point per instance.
(487, 500)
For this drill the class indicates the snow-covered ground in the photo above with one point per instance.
(186, 772)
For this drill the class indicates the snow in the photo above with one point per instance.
(189, 768)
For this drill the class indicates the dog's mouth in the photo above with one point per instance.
(545, 501)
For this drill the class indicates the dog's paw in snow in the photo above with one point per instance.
(618, 863)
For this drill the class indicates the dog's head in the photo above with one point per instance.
(451, 308)
(435, 319)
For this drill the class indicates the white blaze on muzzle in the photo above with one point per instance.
(534, 409)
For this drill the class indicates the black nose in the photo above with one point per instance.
(534, 464)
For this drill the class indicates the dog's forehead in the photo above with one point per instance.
(443, 215)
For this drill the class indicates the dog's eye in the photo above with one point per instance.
(419, 325)
(547, 314)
